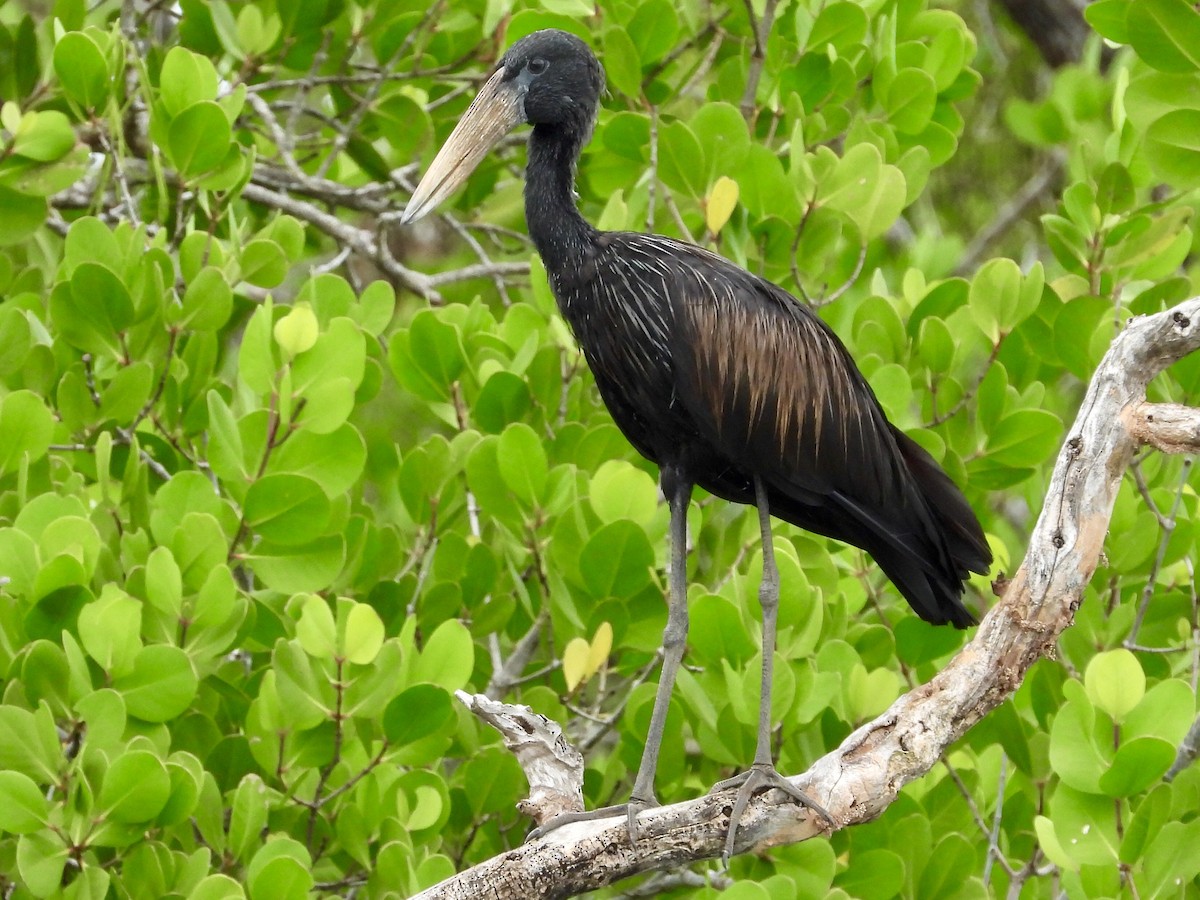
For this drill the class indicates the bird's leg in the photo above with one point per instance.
(762, 774)
(679, 492)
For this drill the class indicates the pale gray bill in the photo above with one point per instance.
(497, 109)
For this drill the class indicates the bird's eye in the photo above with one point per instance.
(537, 65)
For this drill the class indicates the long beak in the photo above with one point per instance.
(497, 109)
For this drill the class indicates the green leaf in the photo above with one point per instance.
(109, 628)
(1171, 861)
(417, 713)
(1165, 34)
(717, 632)
(953, 862)
(722, 132)
(1026, 437)
(764, 187)
(364, 635)
(164, 582)
(186, 78)
(161, 686)
(327, 405)
(217, 887)
(335, 460)
(1173, 146)
(281, 870)
(1108, 19)
(20, 215)
(100, 292)
(16, 340)
(1137, 764)
(678, 153)
(1052, 846)
(522, 461)
(1074, 756)
(248, 817)
(26, 428)
(436, 349)
(198, 139)
(841, 24)
(23, 809)
(226, 454)
(622, 62)
(82, 69)
(128, 393)
(1085, 823)
(287, 509)
(493, 781)
(877, 875)
(995, 297)
(870, 193)
(910, 101)
(448, 657)
(617, 560)
(654, 28)
(43, 136)
(208, 300)
(1114, 191)
(338, 353)
(1164, 712)
(620, 490)
(316, 629)
(503, 399)
(136, 787)
(295, 568)
(376, 307)
(1115, 682)
(263, 263)
(303, 697)
(41, 857)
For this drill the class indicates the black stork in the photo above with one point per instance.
(721, 378)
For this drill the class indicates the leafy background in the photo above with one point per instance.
(278, 476)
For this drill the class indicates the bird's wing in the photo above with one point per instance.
(773, 385)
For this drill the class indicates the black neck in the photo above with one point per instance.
(562, 236)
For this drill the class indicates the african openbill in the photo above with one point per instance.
(721, 378)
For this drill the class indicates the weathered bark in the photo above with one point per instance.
(859, 779)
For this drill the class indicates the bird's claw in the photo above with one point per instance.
(631, 810)
(758, 778)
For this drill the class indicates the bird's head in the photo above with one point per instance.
(548, 79)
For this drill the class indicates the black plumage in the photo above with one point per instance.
(720, 377)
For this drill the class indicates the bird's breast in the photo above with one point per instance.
(622, 318)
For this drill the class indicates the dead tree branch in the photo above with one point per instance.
(859, 779)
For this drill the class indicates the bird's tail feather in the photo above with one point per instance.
(927, 541)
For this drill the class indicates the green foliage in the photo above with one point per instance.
(261, 514)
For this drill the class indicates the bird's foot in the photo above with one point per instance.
(758, 778)
(630, 809)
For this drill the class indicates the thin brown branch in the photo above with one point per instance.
(358, 239)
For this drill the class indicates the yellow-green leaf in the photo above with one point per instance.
(297, 331)
(600, 647)
(721, 202)
(575, 662)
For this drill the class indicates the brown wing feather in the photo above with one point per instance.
(777, 387)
